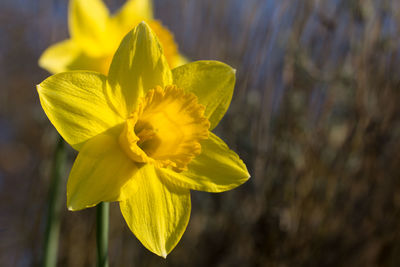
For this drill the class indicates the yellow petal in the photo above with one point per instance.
(167, 40)
(67, 56)
(212, 82)
(88, 22)
(157, 213)
(86, 62)
(132, 12)
(76, 105)
(57, 57)
(216, 169)
(180, 60)
(138, 66)
(98, 174)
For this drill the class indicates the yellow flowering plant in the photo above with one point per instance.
(144, 136)
(96, 35)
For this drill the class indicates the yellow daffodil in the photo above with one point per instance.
(144, 136)
(95, 36)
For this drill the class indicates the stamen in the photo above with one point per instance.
(145, 135)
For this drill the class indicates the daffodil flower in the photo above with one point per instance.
(144, 136)
(96, 35)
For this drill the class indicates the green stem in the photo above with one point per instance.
(54, 206)
(102, 234)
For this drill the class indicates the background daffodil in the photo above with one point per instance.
(143, 135)
(95, 36)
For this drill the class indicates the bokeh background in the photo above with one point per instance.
(315, 116)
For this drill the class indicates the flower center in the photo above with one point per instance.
(165, 129)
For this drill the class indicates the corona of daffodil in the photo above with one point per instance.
(144, 136)
(95, 36)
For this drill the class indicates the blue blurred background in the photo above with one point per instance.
(315, 116)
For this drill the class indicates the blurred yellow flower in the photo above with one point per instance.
(95, 36)
(143, 135)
